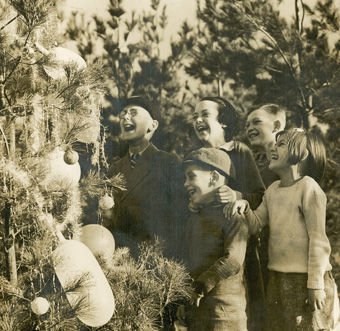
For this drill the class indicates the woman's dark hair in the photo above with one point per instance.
(227, 115)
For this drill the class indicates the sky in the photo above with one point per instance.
(177, 10)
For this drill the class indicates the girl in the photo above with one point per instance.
(295, 209)
(215, 123)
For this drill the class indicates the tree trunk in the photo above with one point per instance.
(9, 246)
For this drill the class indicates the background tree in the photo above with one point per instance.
(130, 48)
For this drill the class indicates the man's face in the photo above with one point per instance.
(207, 127)
(135, 123)
(260, 128)
(198, 183)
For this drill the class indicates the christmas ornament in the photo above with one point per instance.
(71, 156)
(106, 202)
(40, 306)
(58, 59)
(58, 170)
(99, 240)
(74, 263)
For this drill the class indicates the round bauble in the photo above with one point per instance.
(71, 156)
(40, 306)
(99, 240)
(106, 202)
(57, 170)
(58, 59)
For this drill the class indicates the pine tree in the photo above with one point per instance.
(50, 108)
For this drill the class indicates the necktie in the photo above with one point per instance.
(133, 160)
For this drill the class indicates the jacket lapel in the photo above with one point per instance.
(135, 176)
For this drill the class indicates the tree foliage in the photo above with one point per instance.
(293, 61)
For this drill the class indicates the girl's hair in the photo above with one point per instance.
(308, 149)
(227, 115)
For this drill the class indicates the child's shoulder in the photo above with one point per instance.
(273, 186)
(309, 184)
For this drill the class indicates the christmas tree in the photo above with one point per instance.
(57, 274)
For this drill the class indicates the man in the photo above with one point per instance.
(152, 204)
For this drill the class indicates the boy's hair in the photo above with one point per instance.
(277, 111)
(308, 149)
(227, 115)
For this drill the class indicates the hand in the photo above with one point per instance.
(316, 298)
(180, 314)
(225, 195)
(239, 207)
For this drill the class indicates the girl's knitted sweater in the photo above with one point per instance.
(297, 238)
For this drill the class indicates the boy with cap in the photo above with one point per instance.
(147, 209)
(215, 249)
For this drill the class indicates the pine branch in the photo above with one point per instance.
(9, 22)
(279, 49)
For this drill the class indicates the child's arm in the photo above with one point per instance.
(256, 220)
(314, 210)
(235, 243)
(249, 183)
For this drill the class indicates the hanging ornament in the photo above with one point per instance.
(40, 306)
(71, 156)
(58, 170)
(74, 263)
(106, 202)
(99, 240)
(58, 59)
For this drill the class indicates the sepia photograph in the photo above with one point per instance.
(169, 165)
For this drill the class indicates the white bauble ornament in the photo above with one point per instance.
(99, 240)
(73, 262)
(40, 306)
(58, 58)
(106, 202)
(58, 170)
(71, 156)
